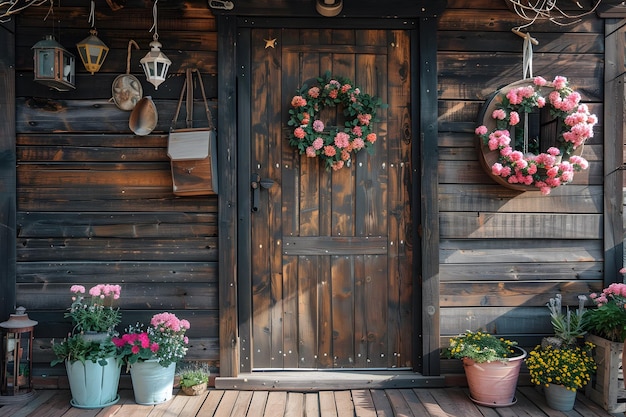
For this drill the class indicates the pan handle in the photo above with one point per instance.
(130, 42)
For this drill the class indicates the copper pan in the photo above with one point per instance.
(126, 88)
(144, 117)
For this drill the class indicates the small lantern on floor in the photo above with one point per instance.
(155, 64)
(16, 357)
(92, 50)
(54, 65)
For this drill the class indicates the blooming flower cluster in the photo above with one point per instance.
(480, 347)
(608, 320)
(96, 312)
(164, 339)
(570, 367)
(335, 146)
(545, 170)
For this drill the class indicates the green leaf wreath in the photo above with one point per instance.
(335, 146)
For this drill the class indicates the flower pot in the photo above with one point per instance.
(195, 389)
(93, 385)
(559, 398)
(493, 384)
(92, 336)
(152, 383)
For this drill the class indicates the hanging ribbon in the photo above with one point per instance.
(154, 18)
(92, 14)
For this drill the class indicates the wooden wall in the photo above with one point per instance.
(504, 253)
(94, 201)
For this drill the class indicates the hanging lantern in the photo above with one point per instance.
(54, 65)
(155, 64)
(16, 357)
(92, 52)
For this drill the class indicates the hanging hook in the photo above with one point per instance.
(524, 35)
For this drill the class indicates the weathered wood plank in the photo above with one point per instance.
(91, 273)
(519, 251)
(517, 271)
(337, 245)
(496, 320)
(510, 294)
(520, 226)
(363, 403)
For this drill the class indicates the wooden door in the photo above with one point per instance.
(331, 283)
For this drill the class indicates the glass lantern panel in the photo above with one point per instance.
(45, 58)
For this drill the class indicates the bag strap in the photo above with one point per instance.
(187, 92)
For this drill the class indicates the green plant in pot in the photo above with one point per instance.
(194, 380)
(491, 366)
(88, 352)
(563, 363)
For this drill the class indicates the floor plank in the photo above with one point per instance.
(405, 402)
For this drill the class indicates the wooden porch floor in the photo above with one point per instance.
(416, 402)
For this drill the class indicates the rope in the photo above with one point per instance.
(154, 18)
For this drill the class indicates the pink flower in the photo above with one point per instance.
(330, 150)
(337, 165)
(514, 118)
(333, 94)
(358, 144)
(314, 92)
(318, 143)
(371, 138)
(299, 133)
(345, 88)
(481, 130)
(559, 82)
(298, 101)
(318, 126)
(342, 140)
(539, 81)
(498, 114)
(77, 289)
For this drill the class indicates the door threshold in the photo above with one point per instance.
(328, 380)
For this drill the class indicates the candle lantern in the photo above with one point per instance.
(92, 52)
(16, 357)
(54, 65)
(155, 64)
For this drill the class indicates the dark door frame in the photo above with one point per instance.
(234, 206)
(8, 208)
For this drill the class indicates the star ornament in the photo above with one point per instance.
(270, 43)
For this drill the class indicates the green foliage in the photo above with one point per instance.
(76, 348)
(480, 347)
(194, 375)
(607, 321)
(567, 326)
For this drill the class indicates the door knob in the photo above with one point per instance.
(256, 183)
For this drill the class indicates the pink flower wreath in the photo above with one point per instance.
(334, 146)
(545, 170)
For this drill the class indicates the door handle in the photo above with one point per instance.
(256, 183)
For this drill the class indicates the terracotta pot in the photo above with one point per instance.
(493, 384)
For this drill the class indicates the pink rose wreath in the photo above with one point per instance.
(334, 146)
(518, 162)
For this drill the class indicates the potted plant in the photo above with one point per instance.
(194, 380)
(561, 371)
(151, 355)
(491, 366)
(93, 369)
(563, 363)
(606, 328)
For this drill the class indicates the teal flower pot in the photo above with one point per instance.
(93, 385)
(559, 398)
(152, 383)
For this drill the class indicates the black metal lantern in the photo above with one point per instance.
(16, 357)
(54, 65)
